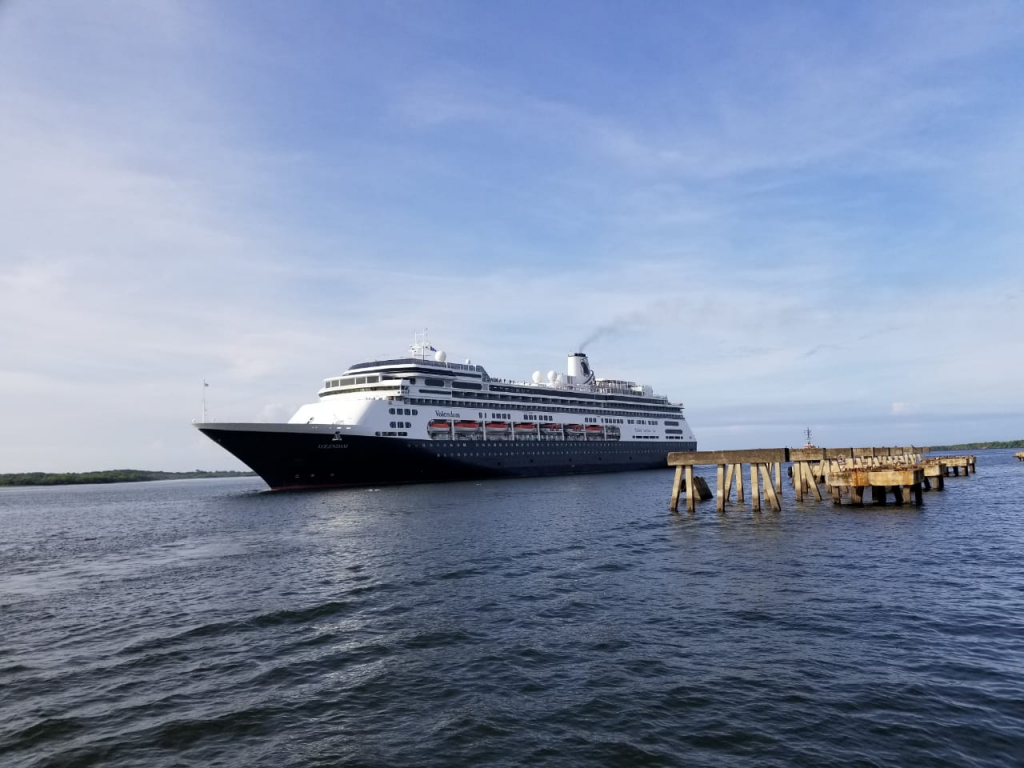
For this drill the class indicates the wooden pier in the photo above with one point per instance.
(843, 473)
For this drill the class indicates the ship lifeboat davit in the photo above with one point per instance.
(575, 432)
(497, 427)
(438, 426)
(525, 427)
(467, 427)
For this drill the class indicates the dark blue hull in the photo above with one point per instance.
(295, 459)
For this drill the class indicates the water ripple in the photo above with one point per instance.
(563, 621)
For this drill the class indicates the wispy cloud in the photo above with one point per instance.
(774, 236)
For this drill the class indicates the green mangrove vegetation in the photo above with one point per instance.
(979, 446)
(107, 476)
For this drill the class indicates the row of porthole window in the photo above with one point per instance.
(547, 402)
(604, 447)
(532, 453)
(392, 434)
(573, 450)
(576, 445)
(401, 424)
(461, 404)
(403, 412)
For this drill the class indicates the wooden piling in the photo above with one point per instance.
(755, 491)
(722, 488)
(729, 469)
(846, 473)
(676, 488)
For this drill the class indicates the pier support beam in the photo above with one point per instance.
(677, 484)
(846, 472)
(755, 490)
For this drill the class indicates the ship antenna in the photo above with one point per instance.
(420, 345)
(205, 385)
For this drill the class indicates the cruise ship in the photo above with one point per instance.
(420, 419)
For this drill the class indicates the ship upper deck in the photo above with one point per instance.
(434, 375)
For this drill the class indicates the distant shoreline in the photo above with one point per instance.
(20, 479)
(108, 476)
(979, 446)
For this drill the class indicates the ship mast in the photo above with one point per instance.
(420, 347)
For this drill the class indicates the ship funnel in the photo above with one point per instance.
(579, 369)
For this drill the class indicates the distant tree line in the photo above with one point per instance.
(107, 476)
(979, 446)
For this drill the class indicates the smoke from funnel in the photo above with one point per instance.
(598, 333)
(618, 325)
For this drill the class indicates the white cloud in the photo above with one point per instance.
(151, 239)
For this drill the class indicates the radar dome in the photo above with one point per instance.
(440, 356)
(537, 378)
(552, 376)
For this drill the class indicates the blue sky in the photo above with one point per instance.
(792, 214)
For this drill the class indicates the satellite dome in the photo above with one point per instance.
(440, 356)
(552, 376)
(537, 378)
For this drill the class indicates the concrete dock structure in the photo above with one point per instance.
(843, 473)
(903, 482)
(763, 465)
(954, 464)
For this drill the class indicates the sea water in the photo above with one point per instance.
(560, 621)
